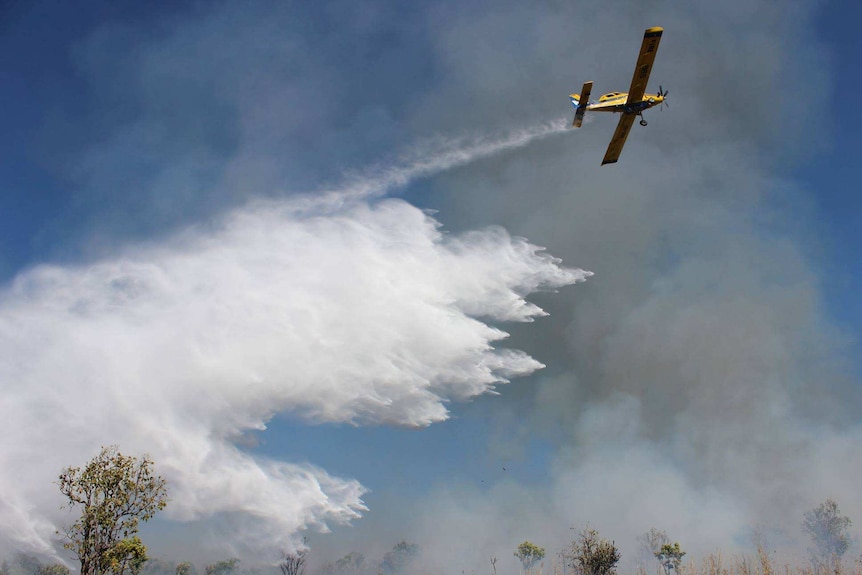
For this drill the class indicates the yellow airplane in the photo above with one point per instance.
(630, 104)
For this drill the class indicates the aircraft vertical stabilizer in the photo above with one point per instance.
(583, 100)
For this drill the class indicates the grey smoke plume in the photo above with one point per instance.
(701, 386)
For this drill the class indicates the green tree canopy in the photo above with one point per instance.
(114, 493)
(670, 557)
(529, 554)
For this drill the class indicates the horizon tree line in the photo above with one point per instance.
(114, 493)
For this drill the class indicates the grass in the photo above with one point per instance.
(763, 563)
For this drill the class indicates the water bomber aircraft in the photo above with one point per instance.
(630, 104)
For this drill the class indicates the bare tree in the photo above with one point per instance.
(293, 563)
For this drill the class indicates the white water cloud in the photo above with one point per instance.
(361, 313)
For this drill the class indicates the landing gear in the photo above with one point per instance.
(642, 122)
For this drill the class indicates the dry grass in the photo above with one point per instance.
(763, 563)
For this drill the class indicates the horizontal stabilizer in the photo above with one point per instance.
(583, 100)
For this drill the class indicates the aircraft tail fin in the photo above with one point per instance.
(580, 102)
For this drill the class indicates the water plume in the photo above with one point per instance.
(360, 312)
(434, 156)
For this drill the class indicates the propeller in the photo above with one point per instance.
(663, 94)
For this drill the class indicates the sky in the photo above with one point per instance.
(344, 272)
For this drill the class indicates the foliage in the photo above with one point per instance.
(828, 531)
(21, 564)
(399, 558)
(156, 566)
(529, 554)
(353, 562)
(114, 493)
(54, 569)
(670, 557)
(127, 553)
(26, 564)
(185, 568)
(592, 555)
(650, 545)
(226, 567)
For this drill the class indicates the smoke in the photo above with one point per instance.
(333, 311)
(697, 384)
(699, 377)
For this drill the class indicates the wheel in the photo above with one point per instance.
(643, 122)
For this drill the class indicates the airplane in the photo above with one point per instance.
(630, 104)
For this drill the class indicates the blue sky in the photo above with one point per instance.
(150, 148)
(828, 173)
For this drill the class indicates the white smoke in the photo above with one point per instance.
(344, 311)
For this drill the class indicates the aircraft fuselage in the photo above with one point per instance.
(616, 102)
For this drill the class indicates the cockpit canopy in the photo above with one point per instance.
(611, 96)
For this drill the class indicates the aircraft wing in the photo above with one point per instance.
(619, 139)
(652, 36)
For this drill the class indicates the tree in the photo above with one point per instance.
(401, 555)
(354, 563)
(226, 567)
(351, 564)
(128, 554)
(293, 563)
(592, 555)
(54, 569)
(114, 493)
(529, 554)
(186, 568)
(670, 557)
(828, 531)
(22, 564)
(650, 545)
(156, 566)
